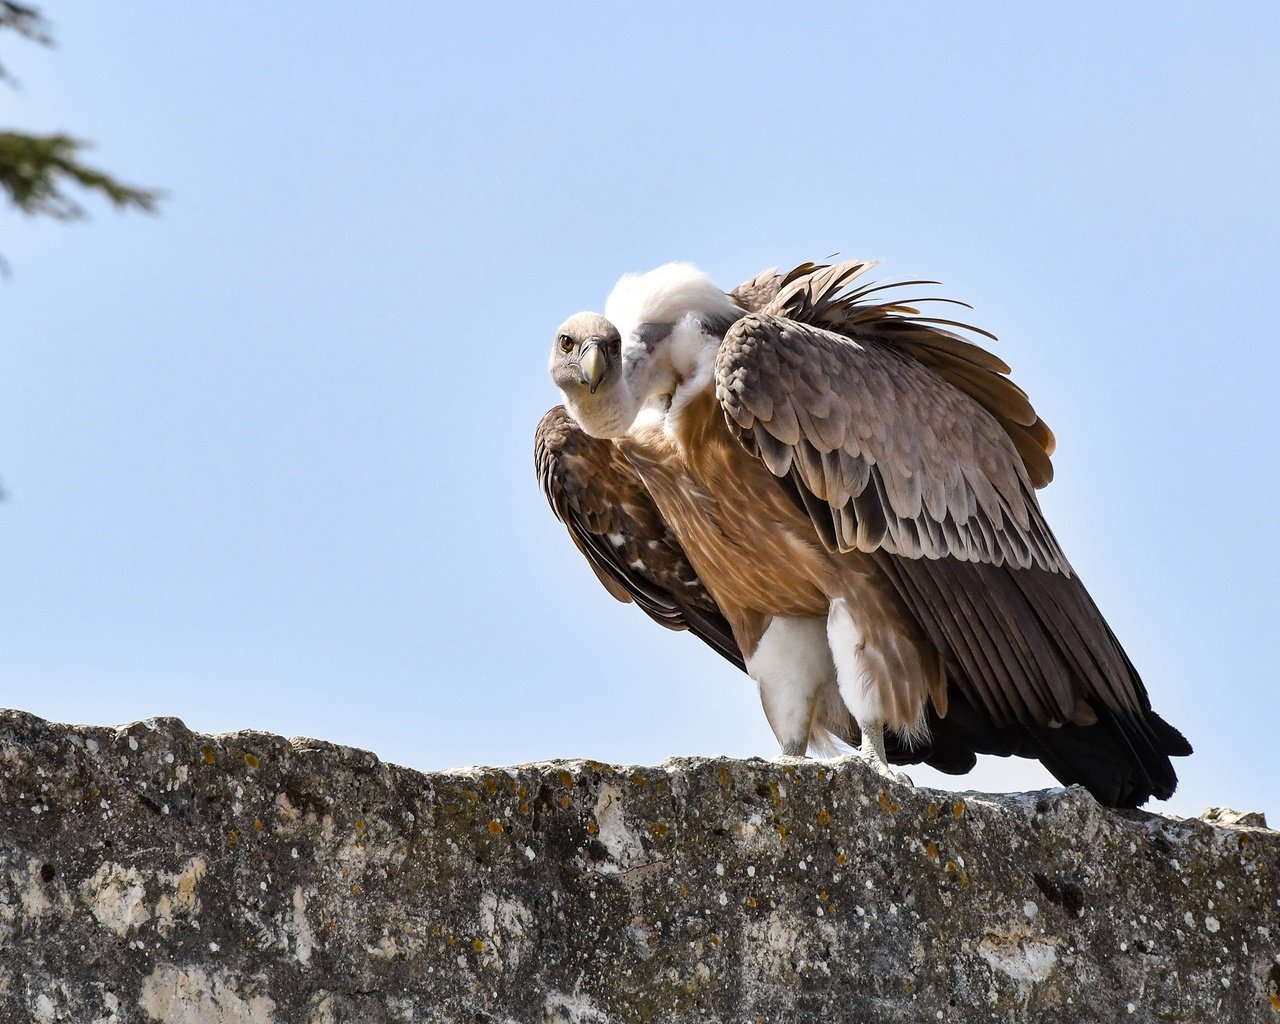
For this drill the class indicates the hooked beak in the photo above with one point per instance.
(592, 364)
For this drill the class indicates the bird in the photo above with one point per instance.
(837, 493)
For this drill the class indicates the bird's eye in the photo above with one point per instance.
(615, 346)
(566, 343)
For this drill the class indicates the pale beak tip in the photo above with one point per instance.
(593, 366)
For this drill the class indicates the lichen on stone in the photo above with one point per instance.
(155, 875)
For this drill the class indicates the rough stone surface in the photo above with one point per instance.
(151, 874)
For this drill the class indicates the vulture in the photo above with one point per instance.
(836, 493)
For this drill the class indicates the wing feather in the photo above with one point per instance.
(1031, 649)
(877, 436)
(821, 295)
(613, 521)
(903, 439)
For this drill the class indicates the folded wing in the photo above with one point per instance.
(905, 441)
(613, 521)
(884, 452)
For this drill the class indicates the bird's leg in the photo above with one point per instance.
(857, 688)
(789, 709)
(872, 751)
(791, 664)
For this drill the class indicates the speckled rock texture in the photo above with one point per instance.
(151, 874)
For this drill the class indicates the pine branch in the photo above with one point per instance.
(35, 168)
(29, 23)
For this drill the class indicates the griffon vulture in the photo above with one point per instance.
(837, 494)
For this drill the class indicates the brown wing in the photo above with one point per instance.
(885, 454)
(820, 295)
(903, 440)
(613, 521)
(1031, 655)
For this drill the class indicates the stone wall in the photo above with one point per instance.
(151, 874)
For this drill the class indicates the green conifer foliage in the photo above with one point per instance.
(35, 170)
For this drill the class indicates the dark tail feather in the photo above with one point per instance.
(1114, 760)
(1122, 761)
(1023, 648)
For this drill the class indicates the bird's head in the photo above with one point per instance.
(586, 365)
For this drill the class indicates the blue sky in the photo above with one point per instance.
(268, 455)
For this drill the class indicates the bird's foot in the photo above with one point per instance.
(873, 755)
(887, 771)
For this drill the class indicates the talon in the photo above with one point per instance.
(886, 771)
(872, 753)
